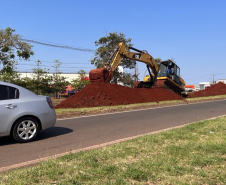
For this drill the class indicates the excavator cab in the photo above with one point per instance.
(169, 77)
(169, 69)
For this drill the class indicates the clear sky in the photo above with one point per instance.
(192, 32)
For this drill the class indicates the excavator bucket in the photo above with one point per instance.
(100, 75)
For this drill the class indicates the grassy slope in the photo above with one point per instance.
(194, 154)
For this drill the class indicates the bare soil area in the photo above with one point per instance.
(102, 98)
(99, 94)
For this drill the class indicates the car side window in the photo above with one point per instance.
(7, 92)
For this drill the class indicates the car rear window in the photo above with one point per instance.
(7, 92)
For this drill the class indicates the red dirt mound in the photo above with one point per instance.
(105, 94)
(217, 89)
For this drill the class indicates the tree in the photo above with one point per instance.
(11, 45)
(106, 47)
(8, 74)
(41, 80)
(59, 82)
(11, 76)
(81, 81)
(129, 79)
(158, 60)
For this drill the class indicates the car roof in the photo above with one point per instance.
(23, 92)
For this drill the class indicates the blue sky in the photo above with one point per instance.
(192, 32)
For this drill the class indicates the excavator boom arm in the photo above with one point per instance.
(141, 56)
(117, 56)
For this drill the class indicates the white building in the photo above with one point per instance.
(221, 80)
(197, 87)
(69, 76)
(203, 85)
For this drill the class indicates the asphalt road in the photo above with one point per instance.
(71, 134)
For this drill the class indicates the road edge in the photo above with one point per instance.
(136, 110)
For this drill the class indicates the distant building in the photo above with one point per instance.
(197, 87)
(204, 85)
(221, 80)
(68, 91)
(69, 76)
(189, 88)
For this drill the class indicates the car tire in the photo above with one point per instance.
(25, 129)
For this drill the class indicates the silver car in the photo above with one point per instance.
(23, 113)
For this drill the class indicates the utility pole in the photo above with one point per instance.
(213, 79)
(136, 72)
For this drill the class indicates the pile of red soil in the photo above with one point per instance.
(105, 94)
(217, 89)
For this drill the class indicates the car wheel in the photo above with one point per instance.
(25, 129)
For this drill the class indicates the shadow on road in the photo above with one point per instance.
(53, 132)
(44, 134)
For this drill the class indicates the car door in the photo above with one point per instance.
(9, 106)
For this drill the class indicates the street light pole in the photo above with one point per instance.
(213, 79)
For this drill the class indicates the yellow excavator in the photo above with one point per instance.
(165, 74)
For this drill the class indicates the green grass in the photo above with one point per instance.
(207, 98)
(56, 101)
(194, 154)
(117, 107)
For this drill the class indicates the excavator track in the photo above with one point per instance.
(160, 83)
(169, 84)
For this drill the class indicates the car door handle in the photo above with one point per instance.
(10, 106)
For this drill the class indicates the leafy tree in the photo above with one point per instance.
(107, 45)
(26, 82)
(158, 60)
(128, 79)
(11, 45)
(10, 76)
(81, 81)
(40, 83)
(59, 82)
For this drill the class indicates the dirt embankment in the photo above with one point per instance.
(99, 94)
(217, 89)
(105, 94)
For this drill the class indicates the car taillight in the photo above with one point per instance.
(49, 102)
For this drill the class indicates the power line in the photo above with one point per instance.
(53, 62)
(41, 65)
(58, 45)
(49, 71)
(204, 76)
